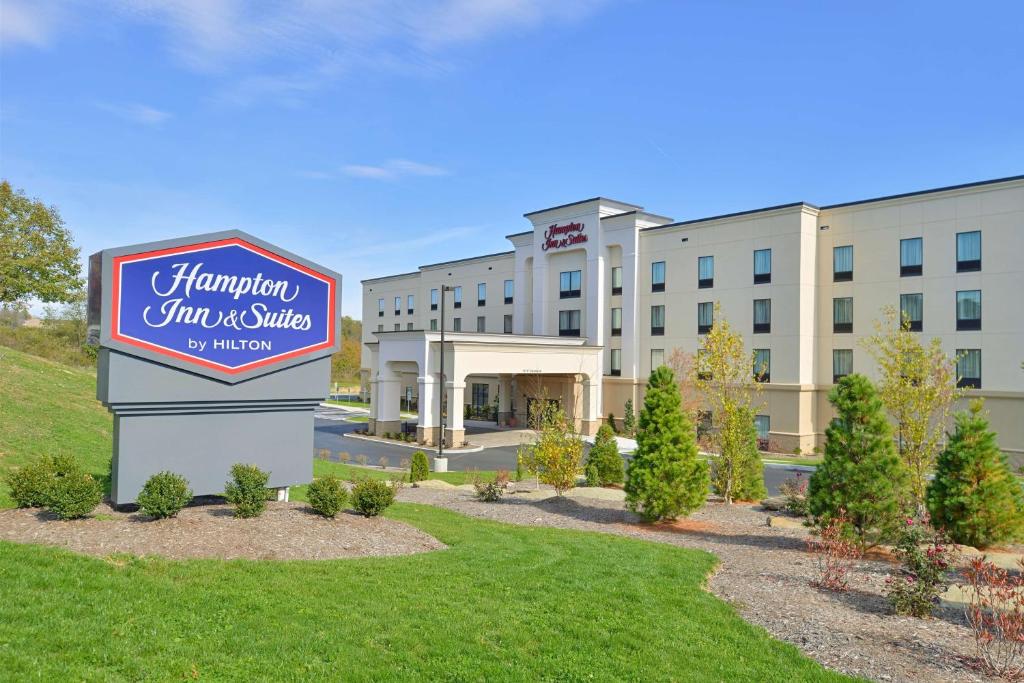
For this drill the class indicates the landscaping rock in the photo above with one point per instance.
(774, 503)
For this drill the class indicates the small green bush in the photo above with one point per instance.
(247, 490)
(30, 485)
(74, 496)
(420, 469)
(164, 495)
(327, 495)
(604, 458)
(489, 491)
(370, 497)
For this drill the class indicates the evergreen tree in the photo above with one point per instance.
(861, 473)
(740, 476)
(604, 457)
(629, 419)
(974, 495)
(666, 478)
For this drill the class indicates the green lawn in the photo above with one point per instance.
(503, 603)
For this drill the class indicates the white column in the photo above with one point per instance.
(630, 339)
(595, 299)
(540, 296)
(591, 418)
(455, 432)
(522, 323)
(504, 398)
(427, 422)
(389, 417)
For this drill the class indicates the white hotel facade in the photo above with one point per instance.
(598, 292)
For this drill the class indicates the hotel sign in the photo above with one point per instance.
(562, 236)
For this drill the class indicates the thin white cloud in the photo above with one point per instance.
(410, 246)
(134, 112)
(392, 170)
(27, 23)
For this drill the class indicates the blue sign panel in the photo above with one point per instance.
(227, 305)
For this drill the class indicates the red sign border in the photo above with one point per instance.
(115, 316)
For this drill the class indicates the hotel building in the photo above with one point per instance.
(598, 292)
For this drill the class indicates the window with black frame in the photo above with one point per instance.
(616, 279)
(481, 294)
(968, 251)
(510, 287)
(380, 308)
(911, 257)
(968, 368)
(657, 358)
(842, 263)
(762, 365)
(842, 364)
(457, 297)
(705, 317)
(762, 316)
(658, 276)
(842, 315)
(569, 323)
(705, 272)
(456, 324)
(763, 425)
(569, 284)
(410, 304)
(968, 310)
(508, 324)
(398, 305)
(433, 324)
(762, 266)
(435, 295)
(657, 320)
(616, 322)
(912, 311)
(481, 323)
(615, 359)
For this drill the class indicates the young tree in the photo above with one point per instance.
(629, 419)
(725, 374)
(684, 365)
(917, 385)
(557, 457)
(861, 476)
(974, 495)
(608, 466)
(37, 256)
(666, 478)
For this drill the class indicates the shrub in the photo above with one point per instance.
(666, 479)
(247, 490)
(795, 491)
(383, 462)
(520, 473)
(861, 473)
(738, 474)
(327, 495)
(323, 453)
(503, 477)
(974, 495)
(404, 463)
(591, 475)
(995, 614)
(916, 590)
(164, 495)
(420, 468)
(834, 553)
(370, 497)
(344, 456)
(605, 460)
(30, 485)
(74, 496)
(797, 451)
(611, 422)
(489, 491)
(362, 459)
(558, 454)
(629, 418)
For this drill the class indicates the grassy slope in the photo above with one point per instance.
(46, 407)
(503, 603)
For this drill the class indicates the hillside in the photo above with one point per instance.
(46, 407)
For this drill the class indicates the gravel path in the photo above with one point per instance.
(765, 572)
(286, 531)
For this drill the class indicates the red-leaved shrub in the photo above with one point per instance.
(835, 553)
(995, 613)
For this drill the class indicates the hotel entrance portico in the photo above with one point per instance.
(524, 368)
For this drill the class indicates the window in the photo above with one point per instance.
(409, 304)
(481, 294)
(968, 251)
(569, 323)
(968, 368)
(408, 326)
(616, 279)
(762, 365)
(912, 311)
(842, 263)
(762, 316)
(657, 358)
(398, 305)
(433, 324)
(842, 315)
(458, 297)
(968, 310)
(705, 272)
(911, 256)
(762, 266)
(616, 322)
(705, 317)
(510, 288)
(657, 320)
(569, 284)
(398, 327)
(703, 370)
(658, 276)
(616, 362)
(380, 308)
(842, 364)
(434, 295)
(508, 324)
(481, 323)
(763, 425)
(380, 327)
(480, 395)
(457, 324)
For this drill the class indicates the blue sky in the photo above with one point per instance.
(374, 137)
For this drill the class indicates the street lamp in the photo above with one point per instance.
(440, 464)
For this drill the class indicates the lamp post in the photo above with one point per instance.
(440, 462)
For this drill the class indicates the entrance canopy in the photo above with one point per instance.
(466, 353)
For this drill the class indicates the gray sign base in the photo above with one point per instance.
(170, 419)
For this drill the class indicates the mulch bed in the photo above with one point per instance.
(286, 531)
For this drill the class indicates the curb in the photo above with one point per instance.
(418, 447)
